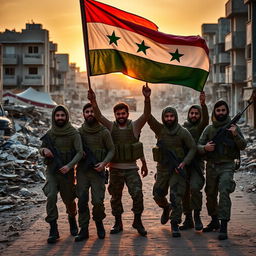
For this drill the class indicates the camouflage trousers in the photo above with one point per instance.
(193, 198)
(130, 177)
(177, 186)
(64, 184)
(219, 180)
(86, 180)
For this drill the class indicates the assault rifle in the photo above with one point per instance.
(221, 135)
(57, 159)
(91, 161)
(170, 159)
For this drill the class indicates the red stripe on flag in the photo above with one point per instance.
(97, 12)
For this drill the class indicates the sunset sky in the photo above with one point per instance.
(63, 19)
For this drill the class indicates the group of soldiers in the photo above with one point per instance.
(180, 153)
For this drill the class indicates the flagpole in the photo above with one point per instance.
(86, 45)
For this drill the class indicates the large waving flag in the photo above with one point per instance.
(118, 41)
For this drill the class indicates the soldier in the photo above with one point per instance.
(173, 140)
(91, 172)
(220, 167)
(62, 149)
(123, 168)
(197, 120)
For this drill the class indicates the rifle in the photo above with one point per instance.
(57, 159)
(221, 135)
(91, 161)
(170, 159)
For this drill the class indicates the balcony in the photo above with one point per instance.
(33, 59)
(235, 40)
(224, 58)
(235, 8)
(35, 80)
(10, 80)
(249, 70)
(221, 58)
(219, 78)
(249, 33)
(10, 59)
(235, 74)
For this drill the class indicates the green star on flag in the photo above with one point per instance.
(142, 47)
(113, 38)
(176, 55)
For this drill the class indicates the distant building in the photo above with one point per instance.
(26, 58)
(209, 32)
(1, 73)
(221, 60)
(250, 60)
(235, 42)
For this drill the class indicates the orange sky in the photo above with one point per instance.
(62, 18)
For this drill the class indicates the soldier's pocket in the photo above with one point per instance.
(46, 189)
(232, 186)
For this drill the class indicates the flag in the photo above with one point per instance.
(119, 41)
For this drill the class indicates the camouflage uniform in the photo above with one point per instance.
(128, 176)
(68, 142)
(220, 168)
(176, 139)
(99, 141)
(192, 199)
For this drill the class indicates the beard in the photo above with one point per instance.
(221, 118)
(90, 120)
(121, 120)
(169, 124)
(60, 123)
(193, 120)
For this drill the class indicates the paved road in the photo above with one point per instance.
(242, 230)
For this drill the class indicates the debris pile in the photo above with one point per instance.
(21, 165)
(248, 158)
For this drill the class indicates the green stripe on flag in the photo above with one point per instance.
(110, 61)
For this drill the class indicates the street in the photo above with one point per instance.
(159, 241)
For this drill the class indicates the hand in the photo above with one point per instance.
(210, 146)
(202, 98)
(146, 91)
(91, 95)
(47, 153)
(64, 169)
(144, 170)
(100, 166)
(181, 166)
(233, 129)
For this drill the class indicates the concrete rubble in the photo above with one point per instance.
(21, 165)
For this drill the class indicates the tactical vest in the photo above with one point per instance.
(228, 148)
(173, 143)
(194, 131)
(127, 146)
(96, 144)
(65, 145)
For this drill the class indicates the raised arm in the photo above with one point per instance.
(102, 119)
(205, 115)
(140, 122)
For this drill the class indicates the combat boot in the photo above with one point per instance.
(175, 229)
(166, 214)
(137, 224)
(54, 233)
(82, 235)
(213, 225)
(100, 229)
(223, 230)
(118, 226)
(197, 220)
(72, 225)
(188, 222)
